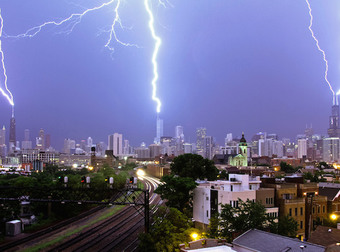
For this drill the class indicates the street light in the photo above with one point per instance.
(334, 216)
(194, 236)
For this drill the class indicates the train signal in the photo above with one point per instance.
(61, 179)
(83, 179)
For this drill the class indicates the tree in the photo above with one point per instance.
(317, 177)
(106, 170)
(171, 228)
(177, 191)
(323, 165)
(287, 226)
(51, 169)
(194, 166)
(223, 175)
(213, 227)
(245, 216)
(287, 168)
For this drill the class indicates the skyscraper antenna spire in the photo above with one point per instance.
(12, 111)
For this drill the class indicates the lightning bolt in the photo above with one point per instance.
(112, 31)
(322, 51)
(75, 18)
(69, 23)
(8, 95)
(158, 42)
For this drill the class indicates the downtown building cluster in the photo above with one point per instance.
(263, 149)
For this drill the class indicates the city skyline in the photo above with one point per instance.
(262, 73)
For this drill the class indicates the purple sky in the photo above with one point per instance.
(228, 65)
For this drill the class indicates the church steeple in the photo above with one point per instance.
(243, 150)
(243, 140)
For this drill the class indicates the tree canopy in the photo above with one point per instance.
(194, 166)
(177, 191)
(239, 219)
(287, 168)
(287, 226)
(171, 228)
(248, 215)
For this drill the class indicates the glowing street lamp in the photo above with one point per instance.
(334, 216)
(194, 236)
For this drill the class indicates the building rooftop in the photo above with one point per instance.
(325, 236)
(257, 240)
(331, 193)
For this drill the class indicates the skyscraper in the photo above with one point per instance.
(115, 143)
(3, 136)
(200, 135)
(179, 132)
(3, 147)
(89, 142)
(12, 135)
(159, 130)
(26, 144)
(334, 130)
(126, 149)
(302, 148)
(228, 139)
(331, 149)
(40, 140)
(208, 147)
(69, 146)
(26, 135)
(47, 141)
(179, 137)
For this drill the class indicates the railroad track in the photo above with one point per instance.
(95, 233)
(112, 235)
(49, 230)
(117, 233)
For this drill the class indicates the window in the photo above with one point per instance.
(271, 201)
(290, 212)
(249, 187)
(301, 224)
(318, 209)
(296, 211)
(231, 188)
(323, 209)
(207, 213)
(301, 211)
(267, 201)
(313, 209)
(287, 196)
(234, 203)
